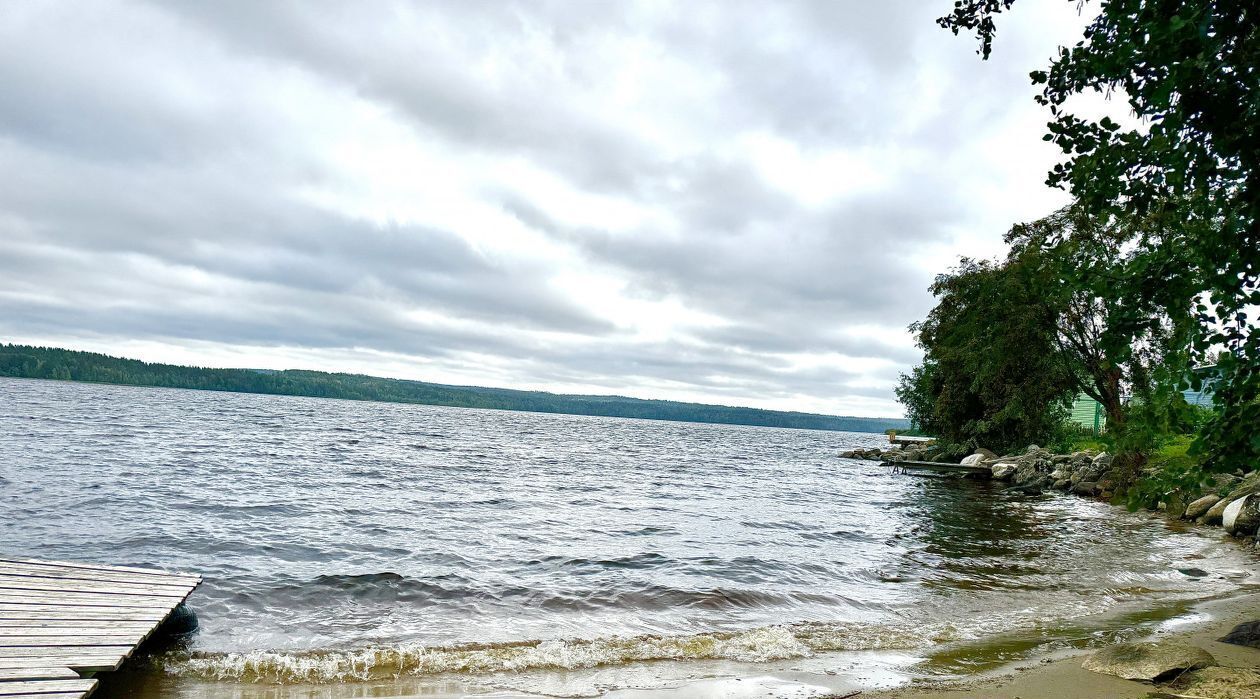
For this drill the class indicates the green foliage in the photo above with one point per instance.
(1069, 437)
(1189, 172)
(52, 363)
(991, 375)
(1171, 469)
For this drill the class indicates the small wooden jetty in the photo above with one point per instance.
(62, 622)
(894, 438)
(933, 466)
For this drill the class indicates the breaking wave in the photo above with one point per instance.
(381, 662)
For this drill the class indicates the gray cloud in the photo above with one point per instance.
(566, 195)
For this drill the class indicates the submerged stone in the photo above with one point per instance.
(1148, 661)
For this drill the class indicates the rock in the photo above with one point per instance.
(1003, 471)
(1245, 634)
(1199, 507)
(1220, 683)
(1089, 471)
(1061, 484)
(1032, 449)
(1148, 661)
(1103, 460)
(1242, 516)
(972, 460)
(1217, 511)
(1247, 486)
(1085, 488)
(988, 455)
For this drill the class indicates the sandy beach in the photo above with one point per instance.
(1056, 678)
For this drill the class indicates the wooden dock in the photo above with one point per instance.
(894, 438)
(908, 466)
(62, 622)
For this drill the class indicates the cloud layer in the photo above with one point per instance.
(722, 201)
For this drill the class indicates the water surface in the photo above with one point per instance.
(467, 550)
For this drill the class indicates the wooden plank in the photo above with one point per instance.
(87, 663)
(11, 627)
(68, 641)
(8, 689)
(85, 599)
(12, 582)
(81, 628)
(36, 612)
(61, 565)
(54, 695)
(935, 466)
(99, 651)
(38, 673)
(100, 576)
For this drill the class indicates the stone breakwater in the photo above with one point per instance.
(1232, 501)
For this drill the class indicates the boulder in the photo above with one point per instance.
(1199, 507)
(1148, 661)
(1004, 470)
(1089, 471)
(1242, 516)
(1085, 488)
(972, 460)
(1061, 484)
(988, 455)
(1245, 634)
(1217, 511)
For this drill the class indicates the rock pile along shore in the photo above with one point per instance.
(1232, 501)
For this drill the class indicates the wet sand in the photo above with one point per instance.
(1057, 678)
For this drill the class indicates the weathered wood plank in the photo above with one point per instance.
(935, 466)
(37, 673)
(87, 663)
(23, 626)
(54, 695)
(60, 565)
(94, 575)
(45, 612)
(8, 689)
(14, 582)
(84, 599)
(81, 629)
(99, 651)
(68, 641)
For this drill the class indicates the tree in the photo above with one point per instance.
(992, 375)
(1189, 170)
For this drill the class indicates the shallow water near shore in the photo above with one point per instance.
(369, 549)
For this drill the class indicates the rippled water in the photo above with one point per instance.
(346, 540)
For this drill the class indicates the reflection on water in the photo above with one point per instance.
(359, 541)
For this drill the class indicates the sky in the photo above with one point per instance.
(719, 201)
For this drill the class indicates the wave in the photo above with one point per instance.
(382, 662)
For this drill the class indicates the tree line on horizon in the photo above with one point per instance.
(22, 361)
(1149, 275)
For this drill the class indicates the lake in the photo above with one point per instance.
(354, 548)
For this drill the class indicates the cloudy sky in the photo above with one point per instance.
(731, 202)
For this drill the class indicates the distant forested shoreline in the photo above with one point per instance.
(22, 361)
